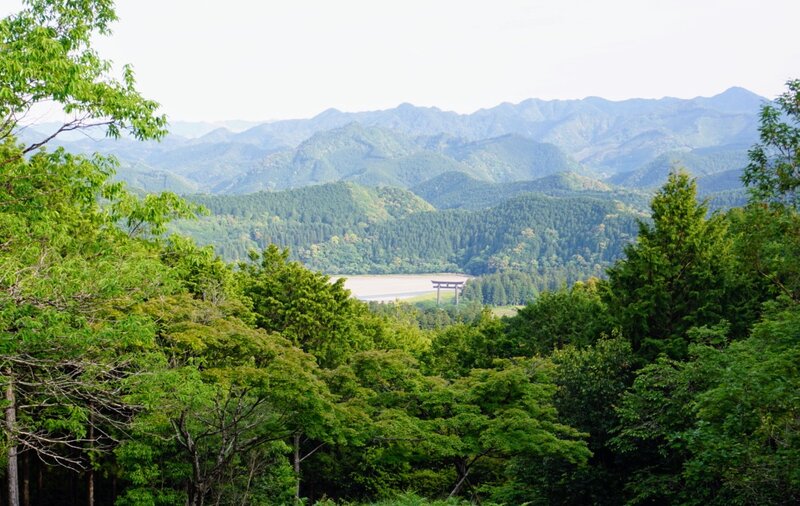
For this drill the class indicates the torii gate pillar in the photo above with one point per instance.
(457, 286)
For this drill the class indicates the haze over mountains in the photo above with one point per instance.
(632, 143)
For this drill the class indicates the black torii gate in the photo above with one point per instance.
(457, 286)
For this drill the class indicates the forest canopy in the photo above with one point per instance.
(138, 368)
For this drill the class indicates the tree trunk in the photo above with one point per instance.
(297, 468)
(39, 483)
(197, 488)
(463, 471)
(90, 487)
(114, 488)
(196, 495)
(26, 479)
(90, 472)
(251, 473)
(11, 421)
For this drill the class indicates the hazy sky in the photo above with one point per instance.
(258, 60)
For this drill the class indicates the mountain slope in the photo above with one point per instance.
(407, 144)
(378, 156)
(611, 136)
(348, 228)
(459, 191)
(698, 162)
(296, 218)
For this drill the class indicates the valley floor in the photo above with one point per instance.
(389, 287)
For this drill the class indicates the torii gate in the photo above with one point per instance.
(457, 286)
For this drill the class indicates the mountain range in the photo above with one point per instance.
(631, 144)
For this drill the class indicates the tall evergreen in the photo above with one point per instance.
(676, 276)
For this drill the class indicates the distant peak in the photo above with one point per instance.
(735, 99)
(331, 111)
(737, 90)
(409, 107)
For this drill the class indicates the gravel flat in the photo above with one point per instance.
(390, 287)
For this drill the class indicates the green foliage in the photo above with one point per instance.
(718, 429)
(47, 56)
(304, 306)
(677, 275)
(461, 347)
(429, 315)
(226, 392)
(591, 382)
(773, 173)
(502, 289)
(68, 275)
(746, 437)
(576, 317)
(767, 244)
(179, 379)
(506, 413)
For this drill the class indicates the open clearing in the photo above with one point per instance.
(389, 287)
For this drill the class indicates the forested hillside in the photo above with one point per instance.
(137, 368)
(377, 156)
(349, 229)
(702, 163)
(457, 190)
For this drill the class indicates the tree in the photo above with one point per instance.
(66, 270)
(745, 444)
(677, 275)
(46, 56)
(460, 347)
(504, 414)
(226, 393)
(773, 173)
(380, 393)
(721, 427)
(318, 316)
(575, 316)
(656, 414)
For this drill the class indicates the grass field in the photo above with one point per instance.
(500, 311)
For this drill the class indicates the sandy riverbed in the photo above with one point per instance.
(394, 286)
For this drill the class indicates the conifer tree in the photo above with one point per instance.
(675, 276)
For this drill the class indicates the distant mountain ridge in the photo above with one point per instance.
(456, 190)
(605, 135)
(405, 145)
(378, 156)
(701, 163)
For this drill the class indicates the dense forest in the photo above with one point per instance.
(345, 228)
(138, 368)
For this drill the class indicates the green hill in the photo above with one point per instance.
(512, 157)
(459, 191)
(348, 228)
(573, 237)
(698, 162)
(296, 218)
(377, 156)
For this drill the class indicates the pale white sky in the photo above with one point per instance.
(259, 60)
